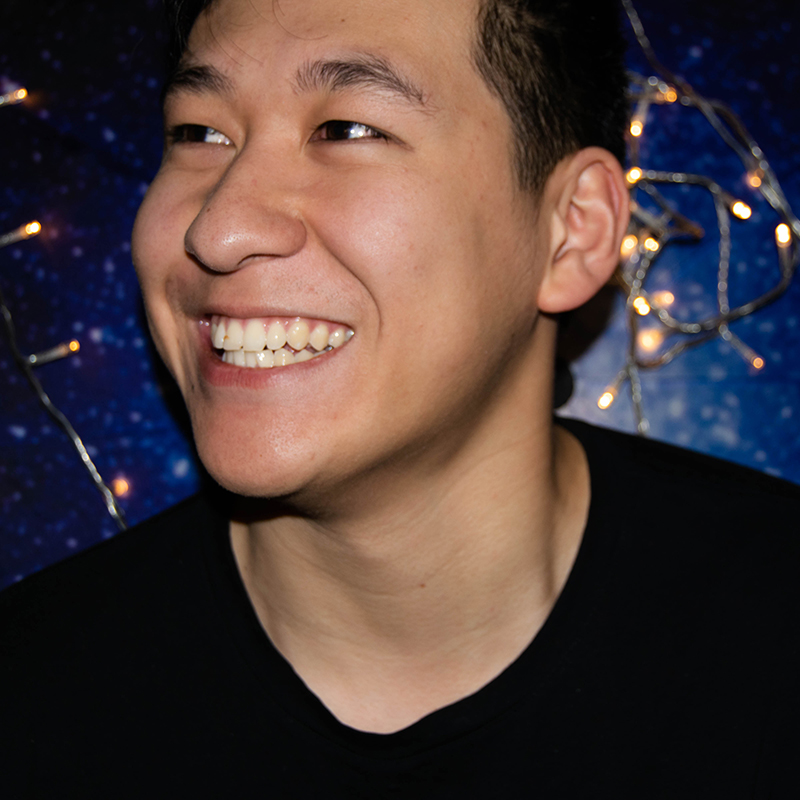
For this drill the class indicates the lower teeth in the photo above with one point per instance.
(267, 359)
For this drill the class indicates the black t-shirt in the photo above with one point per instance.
(667, 668)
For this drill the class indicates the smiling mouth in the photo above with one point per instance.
(269, 342)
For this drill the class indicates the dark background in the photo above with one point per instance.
(78, 156)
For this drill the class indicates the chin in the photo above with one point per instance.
(269, 462)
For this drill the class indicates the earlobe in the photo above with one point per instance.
(588, 201)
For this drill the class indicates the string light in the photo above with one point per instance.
(783, 235)
(650, 339)
(663, 298)
(633, 175)
(12, 98)
(120, 487)
(54, 353)
(655, 231)
(605, 400)
(651, 244)
(18, 234)
(741, 210)
(629, 244)
(641, 306)
(26, 364)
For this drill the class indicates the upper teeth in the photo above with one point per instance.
(274, 342)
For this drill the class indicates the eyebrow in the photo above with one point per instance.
(363, 71)
(197, 79)
(331, 75)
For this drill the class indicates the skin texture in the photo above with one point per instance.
(428, 512)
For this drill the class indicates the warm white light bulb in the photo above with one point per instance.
(634, 173)
(120, 487)
(605, 400)
(642, 306)
(664, 298)
(651, 244)
(629, 244)
(650, 340)
(741, 210)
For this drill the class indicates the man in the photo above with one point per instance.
(368, 217)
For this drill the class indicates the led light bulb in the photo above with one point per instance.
(651, 244)
(634, 174)
(754, 180)
(54, 353)
(629, 244)
(650, 340)
(664, 298)
(605, 399)
(642, 306)
(741, 210)
(120, 487)
(20, 233)
(12, 98)
(783, 235)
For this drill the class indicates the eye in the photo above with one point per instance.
(337, 130)
(181, 134)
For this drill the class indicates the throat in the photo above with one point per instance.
(388, 628)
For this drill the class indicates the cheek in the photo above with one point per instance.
(152, 236)
(157, 251)
(372, 220)
(402, 237)
(445, 246)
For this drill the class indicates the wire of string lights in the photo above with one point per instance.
(649, 235)
(651, 231)
(26, 364)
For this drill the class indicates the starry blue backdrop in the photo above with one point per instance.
(79, 153)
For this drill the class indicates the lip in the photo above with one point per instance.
(237, 310)
(217, 373)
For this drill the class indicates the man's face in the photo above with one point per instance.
(357, 175)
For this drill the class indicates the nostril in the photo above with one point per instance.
(225, 236)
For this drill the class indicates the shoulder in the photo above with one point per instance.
(663, 480)
(700, 543)
(96, 587)
(701, 555)
(91, 647)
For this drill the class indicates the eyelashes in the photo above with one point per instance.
(186, 134)
(343, 130)
(331, 131)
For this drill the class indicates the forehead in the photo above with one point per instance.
(428, 40)
(309, 19)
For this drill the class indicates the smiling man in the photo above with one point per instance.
(368, 217)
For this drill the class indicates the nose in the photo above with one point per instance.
(250, 213)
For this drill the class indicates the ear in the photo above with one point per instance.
(587, 199)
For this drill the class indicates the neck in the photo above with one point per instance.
(422, 593)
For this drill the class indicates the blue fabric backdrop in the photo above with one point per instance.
(78, 156)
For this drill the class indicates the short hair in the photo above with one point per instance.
(556, 65)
